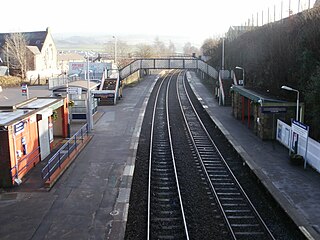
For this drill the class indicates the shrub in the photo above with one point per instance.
(296, 159)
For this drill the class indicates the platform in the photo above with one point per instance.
(297, 190)
(91, 199)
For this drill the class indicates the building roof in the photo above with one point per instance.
(12, 114)
(33, 38)
(255, 96)
(236, 31)
(70, 57)
(83, 84)
(34, 49)
(240, 28)
(8, 116)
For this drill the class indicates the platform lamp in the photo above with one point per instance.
(115, 49)
(89, 104)
(293, 90)
(237, 67)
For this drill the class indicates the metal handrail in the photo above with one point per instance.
(63, 153)
(221, 97)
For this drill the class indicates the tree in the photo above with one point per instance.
(123, 52)
(171, 48)
(188, 49)
(16, 50)
(209, 46)
(144, 51)
(159, 48)
(312, 98)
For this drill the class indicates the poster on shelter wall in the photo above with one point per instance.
(283, 133)
(19, 127)
(294, 142)
(50, 126)
(96, 68)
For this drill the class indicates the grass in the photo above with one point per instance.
(9, 81)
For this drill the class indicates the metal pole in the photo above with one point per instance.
(297, 113)
(281, 9)
(68, 125)
(7, 59)
(222, 63)
(243, 75)
(289, 8)
(115, 49)
(89, 110)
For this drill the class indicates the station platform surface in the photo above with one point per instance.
(296, 189)
(91, 199)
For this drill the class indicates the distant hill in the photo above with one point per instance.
(98, 41)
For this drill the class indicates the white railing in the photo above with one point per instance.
(56, 82)
(221, 91)
(168, 63)
(234, 77)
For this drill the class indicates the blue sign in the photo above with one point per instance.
(19, 127)
(300, 124)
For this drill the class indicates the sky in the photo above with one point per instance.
(197, 19)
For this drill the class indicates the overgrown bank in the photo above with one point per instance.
(286, 52)
(9, 81)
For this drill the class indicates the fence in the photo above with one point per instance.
(168, 63)
(64, 152)
(313, 148)
(276, 10)
(56, 82)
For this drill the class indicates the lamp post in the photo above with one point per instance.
(294, 90)
(222, 55)
(89, 110)
(115, 49)
(237, 67)
(67, 86)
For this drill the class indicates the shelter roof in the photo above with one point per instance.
(255, 96)
(79, 83)
(12, 114)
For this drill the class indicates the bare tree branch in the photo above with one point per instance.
(16, 49)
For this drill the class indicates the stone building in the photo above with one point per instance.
(41, 54)
(259, 112)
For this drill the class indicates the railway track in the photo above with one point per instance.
(166, 219)
(241, 217)
(183, 187)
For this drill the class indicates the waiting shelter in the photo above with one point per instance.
(77, 94)
(27, 133)
(260, 111)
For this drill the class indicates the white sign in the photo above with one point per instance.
(301, 129)
(24, 90)
(74, 90)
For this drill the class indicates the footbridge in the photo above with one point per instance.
(167, 63)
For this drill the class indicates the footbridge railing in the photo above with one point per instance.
(168, 63)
